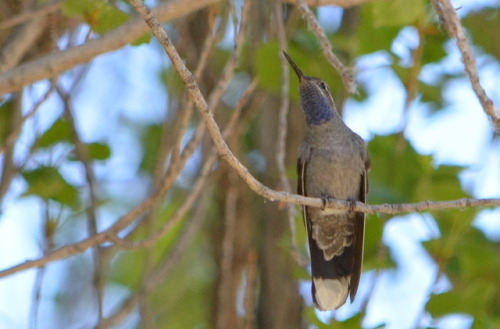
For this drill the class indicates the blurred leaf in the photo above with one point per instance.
(151, 141)
(454, 227)
(306, 40)
(479, 257)
(268, 69)
(146, 38)
(472, 300)
(5, 120)
(376, 255)
(441, 183)
(95, 151)
(109, 18)
(446, 303)
(78, 7)
(58, 132)
(127, 268)
(98, 151)
(431, 94)
(434, 44)
(354, 322)
(187, 286)
(396, 169)
(396, 12)
(47, 183)
(99, 14)
(310, 315)
(368, 42)
(483, 26)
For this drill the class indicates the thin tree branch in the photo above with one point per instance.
(16, 130)
(451, 22)
(250, 297)
(313, 24)
(30, 15)
(283, 126)
(159, 274)
(53, 64)
(91, 210)
(9, 168)
(225, 282)
(196, 190)
(185, 116)
(21, 40)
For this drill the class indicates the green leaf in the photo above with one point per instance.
(78, 7)
(48, 183)
(447, 303)
(483, 26)
(376, 254)
(150, 140)
(434, 44)
(366, 40)
(472, 300)
(142, 40)
(441, 183)
(6, 110)
(268, 67)
(99, 14)
(396, 12)
(127, 268)
(95, 151)
(59, 132)
(396, 169)
(98, 151)
(109, 18)
(431, 95)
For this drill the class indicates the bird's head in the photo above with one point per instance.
(317, 102)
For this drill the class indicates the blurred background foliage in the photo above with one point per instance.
(228, 262)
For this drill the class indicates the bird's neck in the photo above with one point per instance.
(318, 111)
(327, 133)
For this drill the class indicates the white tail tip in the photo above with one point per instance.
(330, 294)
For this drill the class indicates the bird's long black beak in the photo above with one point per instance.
(294, 66)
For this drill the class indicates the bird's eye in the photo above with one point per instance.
(323, 85)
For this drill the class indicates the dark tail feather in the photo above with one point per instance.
(334, 280)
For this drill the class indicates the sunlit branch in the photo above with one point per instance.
(451, 21)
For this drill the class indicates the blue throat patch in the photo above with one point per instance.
(317, 111)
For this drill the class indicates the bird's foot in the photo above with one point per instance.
(352, 204)
(324, 200)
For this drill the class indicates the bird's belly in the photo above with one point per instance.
(334, 174)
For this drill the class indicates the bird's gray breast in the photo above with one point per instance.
(335, 166)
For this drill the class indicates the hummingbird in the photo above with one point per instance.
(332, 164)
